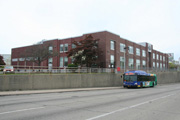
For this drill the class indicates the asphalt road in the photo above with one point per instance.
(159, 103)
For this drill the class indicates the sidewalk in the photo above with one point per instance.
(27, 92)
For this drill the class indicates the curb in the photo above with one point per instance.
(28, 92)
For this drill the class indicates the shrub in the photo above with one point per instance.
(72, 65)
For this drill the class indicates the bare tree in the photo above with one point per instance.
(39, 53)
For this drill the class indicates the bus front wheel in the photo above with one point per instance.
(153, 85)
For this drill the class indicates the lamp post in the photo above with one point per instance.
(125, 58)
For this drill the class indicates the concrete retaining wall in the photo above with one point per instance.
(168, 77)
(33, 82)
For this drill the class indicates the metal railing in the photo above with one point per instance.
(46, 69)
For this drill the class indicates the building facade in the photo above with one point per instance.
(116, 52)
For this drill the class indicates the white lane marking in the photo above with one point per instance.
(21, 110)
(129, 107)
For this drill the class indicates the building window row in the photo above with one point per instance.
(131, 50)
(157, 65)
(162, 58)
(138, 64)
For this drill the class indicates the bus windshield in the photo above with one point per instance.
(130, 78)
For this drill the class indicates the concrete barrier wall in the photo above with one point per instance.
(62, 81)
(168, 77)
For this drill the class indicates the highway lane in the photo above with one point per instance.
(159, 103)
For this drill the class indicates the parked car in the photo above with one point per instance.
(8, 69)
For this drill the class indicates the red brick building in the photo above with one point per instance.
(137, 55)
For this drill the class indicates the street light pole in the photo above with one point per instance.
(125, 58)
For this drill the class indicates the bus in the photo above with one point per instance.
(139, 79)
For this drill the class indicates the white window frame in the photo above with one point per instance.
(131, 50)
(161, 57)
(131, 63)
(138, 51)
(143, 53)
(138, 64)
(122, 61)
(157, 65)
(154, 64)
(122, 46)
(65, 60)
(157, 56)
(144, 64)
(14, 59)
(112, 45)
(112, 60)
(153, 55)
(66, 47)
(61, 61)
(61, 48)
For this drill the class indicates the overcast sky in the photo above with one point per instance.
(25, 22)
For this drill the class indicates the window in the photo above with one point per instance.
(65, 61)
(161, 57)
(65, 47)
(138, 64)
(153, 55)
(138, 51)
(131, 63)
(157, 57)
(154, 65)
(163, 65)
(112, 44)
(50, 60)
(50, 48)
(61, 62)
(61, 48)
(112, 60)
(143, 53)
(73, 46)
(29, 58)
(122, 46)
(14, 60)
(144, 64)
(122, 62)
(157, 65)
(131, 50)
(21, 59)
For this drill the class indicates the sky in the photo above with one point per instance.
(26, 22)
